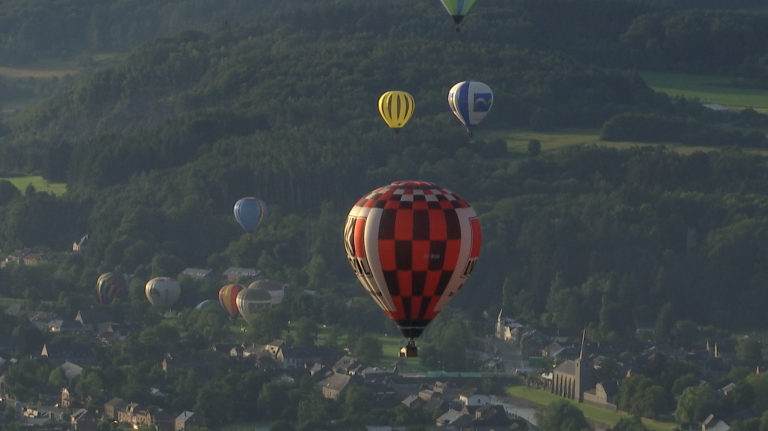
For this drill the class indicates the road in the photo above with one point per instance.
(508, 352)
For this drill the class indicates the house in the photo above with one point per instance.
(197, 273)
(532, 343)
(603, 395)
(83, 420)
(552, 350)
(491, 415)
(33, 259)
(60, 353)
(91, 319)
(506, 328)
(713, 424)
(454, 418)
(66, 398)
(334, 386)
(16, 310)
(413, 401)
(185, 420)
(274, 346)
(234, 273)
(126, 413)
(113, 406)
(65, 325)
(471, 398)
(299, 356)
(346, 365)
(71, 372)
(77, 246)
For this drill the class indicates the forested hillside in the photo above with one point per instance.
(156, 150)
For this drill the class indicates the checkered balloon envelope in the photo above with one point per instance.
(412, 245)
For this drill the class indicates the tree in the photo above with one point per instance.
(691, 406)
(632, 423)
(57, 378)
(561, 415)
(305, 333)
(749, 349)
(358, 401)
(281, 425)
(368, 349)
(665, 320)
(534, 147)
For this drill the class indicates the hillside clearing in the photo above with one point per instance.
(40, 184)
(11, 72)
(708, 89)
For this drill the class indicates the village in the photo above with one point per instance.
(578, 370)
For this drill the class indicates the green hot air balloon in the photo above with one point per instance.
(457, 9)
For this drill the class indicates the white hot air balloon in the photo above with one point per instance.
(251, 302)
(162, 291)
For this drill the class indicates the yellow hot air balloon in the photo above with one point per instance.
(396, 108)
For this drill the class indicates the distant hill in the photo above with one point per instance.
(717, 4)
(73, 28)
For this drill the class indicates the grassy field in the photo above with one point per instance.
(590, 412)
(708, 89)
(7, 302)
(517, 141)
(39, 183)
(10, 72)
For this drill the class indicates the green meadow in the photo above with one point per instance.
(7, 302)
(708, 89)
(592, 413)
(517, 141)
(38, 183)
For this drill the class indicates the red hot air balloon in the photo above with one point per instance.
(412, 245)
(228, 298)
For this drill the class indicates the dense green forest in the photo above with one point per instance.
(156, 150)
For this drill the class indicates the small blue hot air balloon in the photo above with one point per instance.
(470, 101)
(250, 213)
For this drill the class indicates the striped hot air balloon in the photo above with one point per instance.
(457, 9)
(228, 298)
(396, 108)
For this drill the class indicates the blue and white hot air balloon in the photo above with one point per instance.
(250, 213)
(470, 101)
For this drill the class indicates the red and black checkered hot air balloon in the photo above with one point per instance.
(412, 245)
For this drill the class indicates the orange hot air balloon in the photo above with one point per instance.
(412, 245)
(228, 298)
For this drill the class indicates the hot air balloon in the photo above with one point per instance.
(111, 286)
(162, 291)
(470, 101)
(251, 302)
(412, 245)
(209, 303)
(228, 298)
(250, 213)
(457, 9)
(276, 290)
(396, 108)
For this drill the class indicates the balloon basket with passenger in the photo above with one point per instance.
(410, 350)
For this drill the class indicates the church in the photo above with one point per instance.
(573, 377)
